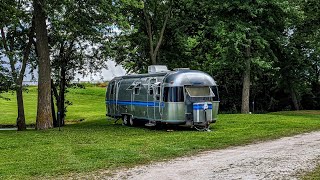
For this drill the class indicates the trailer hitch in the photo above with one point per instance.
(206, 126)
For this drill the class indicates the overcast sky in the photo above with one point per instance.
(105, 75)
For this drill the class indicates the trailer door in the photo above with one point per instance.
(154, 99)
(116, 96)
(157, 101)
(111, 97)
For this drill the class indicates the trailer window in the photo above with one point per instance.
(158, 89)
(215, 92)
(151, 84)
(136, 89)
(134, 85)
(202, 91)
(150, 91)
(131, 87)
(173, 94)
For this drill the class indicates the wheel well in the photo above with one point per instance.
(126, 114)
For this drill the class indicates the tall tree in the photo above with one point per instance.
(233, 36)
(304, 55)
(44, 111)
(138, 45)
(299, 54)
(17, 32)
(249, 37)
(79, 35)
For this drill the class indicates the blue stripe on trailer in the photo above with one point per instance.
(201, 106)
(136, 103)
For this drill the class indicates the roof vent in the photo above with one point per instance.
(157, 68)
(181, 69)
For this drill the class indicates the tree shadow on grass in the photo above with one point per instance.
(113, 125)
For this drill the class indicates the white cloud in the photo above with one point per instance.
(105, 75)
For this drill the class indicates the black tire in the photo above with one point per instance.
(131, 121)
(125, 120)
(202, 128)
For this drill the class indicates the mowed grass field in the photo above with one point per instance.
(87, 103)
(97, 143)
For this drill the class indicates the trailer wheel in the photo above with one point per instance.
(203, 128)
(131, 122)
(125, 120)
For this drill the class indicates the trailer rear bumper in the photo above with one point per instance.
(174, 122)
(184, 122)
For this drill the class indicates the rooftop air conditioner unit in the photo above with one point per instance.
(157, 68)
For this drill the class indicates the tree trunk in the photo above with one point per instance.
(54, 119)
(153, 59)
(44, 111)
(246, 89)
(61, 108)
(294, 99)
(21, 122)
(245, 108)
(18, 76)
(55, 94)
(154, 50)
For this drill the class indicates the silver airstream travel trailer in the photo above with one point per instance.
(181, 97)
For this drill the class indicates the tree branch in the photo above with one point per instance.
(69, 50)
(148, 26)
(9, 54)
(26, 52)
(61, 51)
(162, 31)
(4, 40)
(11, 45)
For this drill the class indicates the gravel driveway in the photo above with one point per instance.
(278, 159)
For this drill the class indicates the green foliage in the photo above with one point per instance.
(283, 37)
(298, 60)
(79, 35)
(15, 27)
(134, 47)
(5, 80)
(221, 34)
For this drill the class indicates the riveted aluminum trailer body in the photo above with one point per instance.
(182, 97)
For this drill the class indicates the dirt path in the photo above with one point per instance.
(278, 159)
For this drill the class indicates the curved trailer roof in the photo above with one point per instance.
(178, 78)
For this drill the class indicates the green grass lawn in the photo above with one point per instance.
(87, 103)
(96, 143)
